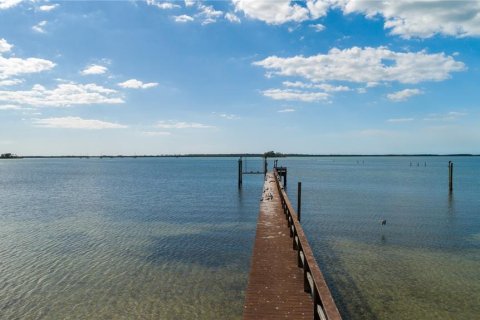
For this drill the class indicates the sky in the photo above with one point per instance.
(181, 77)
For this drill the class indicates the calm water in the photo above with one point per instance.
(424, 263)
(124, 238)
(172, 238)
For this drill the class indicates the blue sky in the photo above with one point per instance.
(169, 77)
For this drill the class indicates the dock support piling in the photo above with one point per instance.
(299, 200)
(240, 172)
(450, 176)
(265, 166)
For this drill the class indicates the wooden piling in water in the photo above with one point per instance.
(450, 176)
(282, 173)
(299, 200)
(240, 172)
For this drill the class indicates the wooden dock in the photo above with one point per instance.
(285, 281)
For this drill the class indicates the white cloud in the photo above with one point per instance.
(283, 11)
(208, 21)
(137, 84)
(319, 8)
(6, 4)
(365, 65)
(207, 14)
(64, 95)
(16, 66)
(398, 120)
(403, 95)
(10, 82)
(297, 84)
(5, 46)
(181, 125)
(406, 18)
(228, 116)
(286, 110)
(163, 5)
(76, 123)
(293, 28)
(329, 88)
(295, 95)
(423, 19)
(232, 17)
(318, 27)
(450, 116)
(209, 11)
(457, 114)
(183, 18)
(362, 90)
(94, 69)
(272, 12)
(9, 107)
(156, 133)
(40, 27)
(324, 86)
(48, 7)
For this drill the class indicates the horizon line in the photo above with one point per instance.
(225, 155)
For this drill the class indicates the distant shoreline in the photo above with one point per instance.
(252, 155)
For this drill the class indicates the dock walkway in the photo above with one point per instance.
(277, 285)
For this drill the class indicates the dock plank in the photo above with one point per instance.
(275, 288)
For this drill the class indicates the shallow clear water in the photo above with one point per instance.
(124, 238)
(171, 238)
(424, 263)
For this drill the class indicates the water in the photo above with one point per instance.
(171, 238)
(124, 238)
(424, 263)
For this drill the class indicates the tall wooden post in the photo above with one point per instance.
(450, 176)
(299, 200)
(240, 172)
(265, 166)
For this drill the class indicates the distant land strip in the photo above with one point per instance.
(252, 155)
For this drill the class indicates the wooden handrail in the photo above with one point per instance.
(324, 306)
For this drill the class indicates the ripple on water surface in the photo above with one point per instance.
(172, 238)
(424, 263)
(124, 239)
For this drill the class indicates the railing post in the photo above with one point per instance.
(299, 257)
(315, 299)
(306, 283)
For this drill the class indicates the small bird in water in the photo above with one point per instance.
(384, 222)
